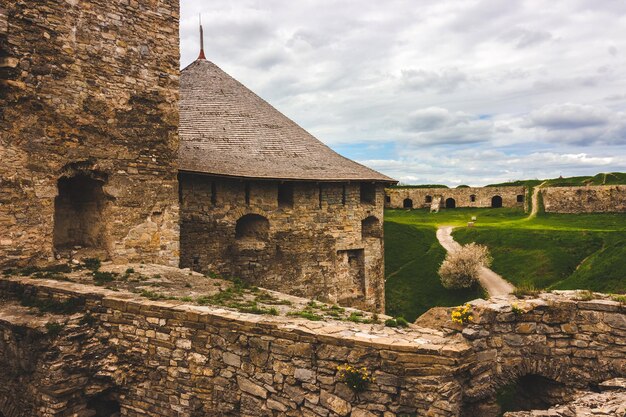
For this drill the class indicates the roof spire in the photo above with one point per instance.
(201, 56)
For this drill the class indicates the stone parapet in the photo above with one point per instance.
(588, 199)
(172, 358)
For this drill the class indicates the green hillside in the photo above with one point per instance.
(611, 178)
(551, 251)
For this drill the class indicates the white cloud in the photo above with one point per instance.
(480, 90)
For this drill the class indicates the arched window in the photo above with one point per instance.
(252, 226)
(496, 201)
(450, 203)
(80, 212)
(472, 198)
(520, 198)
(407, 203)
(370, 227)
(429, 199)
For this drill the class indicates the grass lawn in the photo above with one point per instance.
(560, 251)
(412, 257)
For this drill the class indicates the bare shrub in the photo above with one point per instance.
(460, 268)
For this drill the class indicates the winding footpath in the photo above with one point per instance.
(493, 283)
(535, 201)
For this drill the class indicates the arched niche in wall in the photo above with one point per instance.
(450, 202)
(252, 227)
(407, 203)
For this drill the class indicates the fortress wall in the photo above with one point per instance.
(162, 358)
(314, 247)
(462, 196)
(89, 88)
(590, 199)
(165, 358)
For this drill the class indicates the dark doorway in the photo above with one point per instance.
(496, 201)
(80, 213)
(520, 198)
(105, 404)
(472, 198)
(407, 203)
(531, 392)
(450, 203)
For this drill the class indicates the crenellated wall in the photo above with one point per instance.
(589, 199)
(89, 91)
(314, 244)
(399, 197)
(166, 358)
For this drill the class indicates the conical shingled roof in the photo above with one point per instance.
(226, 129)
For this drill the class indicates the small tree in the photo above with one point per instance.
(460, 268)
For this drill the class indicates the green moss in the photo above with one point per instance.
(101, 278)
(306, 314)
(92, 263)
(54, 328)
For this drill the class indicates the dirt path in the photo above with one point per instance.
(535, 201)
(493, 283)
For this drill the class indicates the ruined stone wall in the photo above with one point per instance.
(314, 248)
(89, 89)
(589, 199)
(483, 196)
(570, 340)
(169, 359)
(166, 358)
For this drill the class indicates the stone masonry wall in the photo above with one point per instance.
(395, 197)
(314, 248)
(590, 199)
(89, 88)
(170, 359)
(570, 340)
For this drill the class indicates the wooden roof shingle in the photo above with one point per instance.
(226, 129)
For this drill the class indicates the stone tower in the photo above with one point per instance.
(265, 201)
(88, 132)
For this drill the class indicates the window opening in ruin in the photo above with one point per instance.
(285, 195)
(213, 193)
(520, 198)
(252, 226)
(387, 199)
(531, 392)
(105, 404)
(343, 194)
(368, 193)
(407, 203)
(80, 213)
(351, 273)
(320, 195)
(473, 198)
(450, 203)
(429, 199)
(247, 193)
(370, 228)
(496, 201)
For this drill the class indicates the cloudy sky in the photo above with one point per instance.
(442, 91)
